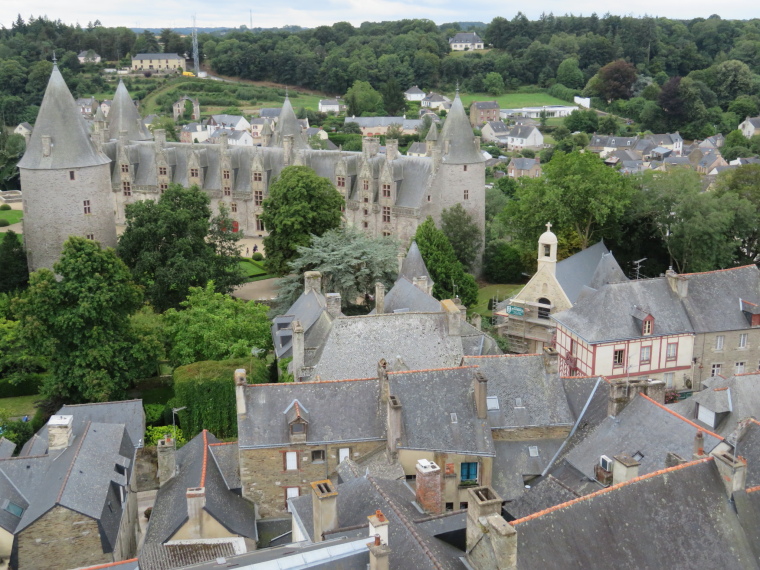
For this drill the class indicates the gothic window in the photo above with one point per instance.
(341, 183)
(87, 209)
(125, 168)
(233, 208)
(386, 190)
(162, 171)
(257, 177)
(386, 214)
(258, 197)
(466, 194)
(194, 173)
(126, 188)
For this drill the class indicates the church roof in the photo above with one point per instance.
(60, 119)
(123, 116)
(288, 125)
(458, 131)
(579, 270)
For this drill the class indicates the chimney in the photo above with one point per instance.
(287, 149)
(420, 283)
(394, 423)
(333, 304)
(453, 316)
(480, 386)
(196, 500)
(298, 350)
(312, 281)
(699, 445)
(428, 486)
(551, 360)
(224, 141)
(476, 320)
(241, 381)
(60, 432)
(477, 144)
(436, 155)
(391, 149)
(379, 298)
(679, 284)
(624, 469)
(400, 256)
(379, 551)
(382, 375)
(123, 138)
(622, 392)
(483, 502)
(378, 526)
(324, 502)
(167, 459)
(673, 460)
(733, 471)
(47, 145)
(159, 137)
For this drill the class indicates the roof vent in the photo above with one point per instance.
(492, 403)
(533, 451)
(453, 418)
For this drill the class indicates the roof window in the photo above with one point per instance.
(492, 403)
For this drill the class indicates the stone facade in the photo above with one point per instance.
(726, 350)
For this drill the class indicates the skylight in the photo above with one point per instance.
(492, 403)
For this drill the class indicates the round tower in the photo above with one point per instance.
(547, 250)
(65, 180)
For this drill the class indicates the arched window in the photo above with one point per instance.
(543, 312)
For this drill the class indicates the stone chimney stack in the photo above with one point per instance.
(436, 155)
(453, 317)
(324, 501)
(679, 284)
(224, 141)
(123, 138)
(551, 360)
(428, 486)
(483, 502)
(47, 145)
(395, 422)
(379, 298)
(382, 375)
(298, 350)
(60, 432)
(312, 281)
(287, 150)
(622, 392)
(476, 320)
(241, 380)
(420, 283)
(400, 257)
(333, 304)
(391, 149)
(167, 459)
(159, 137)
(480, 387)
(196, 500)
(624, 469)
(378, 526)
(733, 471)
(379, 551)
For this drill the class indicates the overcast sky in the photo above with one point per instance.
(233, 13)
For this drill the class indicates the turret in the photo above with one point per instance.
(123, 116)
(288, 125)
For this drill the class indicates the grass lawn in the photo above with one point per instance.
(485, 294)
(252, 269)
(513, 100)
(19, 406)
(13, 216)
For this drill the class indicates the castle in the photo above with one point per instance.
(77, 181)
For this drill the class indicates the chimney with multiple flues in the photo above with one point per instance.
(491, 541)
(379, 551)
(324, 501)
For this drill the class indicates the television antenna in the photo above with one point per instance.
(637, 266)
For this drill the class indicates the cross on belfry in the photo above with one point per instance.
(548, 226)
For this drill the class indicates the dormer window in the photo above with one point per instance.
(297, 428)
(365, 184)
(648, 326)
(194, 172)
(298, 423)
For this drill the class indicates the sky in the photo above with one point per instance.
(307, 13)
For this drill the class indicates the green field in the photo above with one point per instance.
(13, 216)
(485, 294)
(513, 100)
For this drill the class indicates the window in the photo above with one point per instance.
(492, 403)
(533, 450)
(463, 505)
(259, 225)
(469, 471)
(366, 212)
(297, 428)
(194, 173)
(233, 208)
(318, 456)
(647, 327)
(669, 377)
(90, 236)
(743, 340)
(454, 418)
(365, 225)
(227, 191)
(386, 214)
(429, 198)
(672, 351)
(87, 209)
(72, 175)
(13, 508)
(366, 199)
(126, 188)
(162, 188)
(291, 493)
(291, 461)
(343, 453)
(257, 177)
(739, 367)
(619, 357)
(465, 166)
(162, 171)
(719, 342)
(386, 234)
(646, 354)
(547, 251)
(226, 174)
(466, 194)
(715, 371)
(386, 190)
(341, 183)
(543, 312)
(449, 506)
(125, 168)
(258, 197)
(705, 416)
(365, 184)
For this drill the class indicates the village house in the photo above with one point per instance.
(483, 112)
(548, 111)
(88, 56)
(227, 122)
(414, 93)
(519, 138)
(165, 62)
(24, 129)
(464, 41)
(105, 107)
(193, 133)
(331, 106)
(519, 167)
(87, 106)
(495, 132)
(378, 126)
(436, 102)
(749, 126)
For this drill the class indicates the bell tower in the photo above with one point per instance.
(547, 250)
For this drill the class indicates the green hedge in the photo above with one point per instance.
(208, 390)
(30, 386)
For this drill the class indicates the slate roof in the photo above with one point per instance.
(613, 141)
(645, 427)
(270, 112)
(522, 131)
(485, 105)
(465, 38)
(404, 296)
(123, 116)
(360, 419)
(548, 492)
(498, 127)
(370, 122)
(157, 56)
(127, 412)
(307, 310)
(458, 131)
(518, 461)
(417, 148)
(413, 264)
(288, 125)
(331, 102)
(174, 556)
(197, 466)
(229, 120)
(428, 423)
(649, 522)
(60, 119)
(595, 264)
(414, 90)
(7, 447)
(523, 163)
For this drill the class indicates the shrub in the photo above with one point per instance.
(154, 434)
(4, 223)
(5, 207)
(258, 256)
(502, 263)
(154, 413)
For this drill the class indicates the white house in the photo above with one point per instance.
(414, 94)
(535, 112)
(466, 41)
(331, 106)
(436, 101)
(88, 56)
(24, 129)
(750, 127)
(521, 137)
(228, 122)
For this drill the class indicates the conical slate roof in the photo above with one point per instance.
(413, 264)
(266, 130)
(60, 119)
(123, 116)
(432, 135)
(288, 125)
(99, 115)
(458, 131)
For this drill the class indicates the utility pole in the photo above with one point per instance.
(195, 49)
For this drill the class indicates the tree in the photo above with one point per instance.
(494, 83)
(502, 263)
(731, 79)
(583, 121)
(214, 326)
(447, 272)
(393, 98)
(744, 182)
(300, 205)
(172, 245)
(616, 80)
(608, 125)
(464, 234)
(80, 317)
(362, 98)
(15, 274)
(744, 106)
(569, 74)
(350, 262)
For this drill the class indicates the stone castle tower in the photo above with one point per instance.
(65, 180)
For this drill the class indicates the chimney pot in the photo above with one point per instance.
(377, 540)
(378, 527)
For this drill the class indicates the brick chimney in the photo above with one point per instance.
(312, 281)
(324, 502)
(733, 471)
(391, 149)
(333, 304)
(379, 298)
(483, 502)
(679, 284)
(167, 459)
(60, 432)
(453, 317)
(395, 423)
(480, 387)
(624, 469)
(428, 486)
(241, 380)
(298, 350)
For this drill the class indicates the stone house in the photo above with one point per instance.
(463, 41)
(605, 144)
(530, 167)
(495, 132)
(483, 112)
(749, 126)
(165, 62)
(521, 137)
(414, 93)
(178, 108)
(710, 160)
(193, 133)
